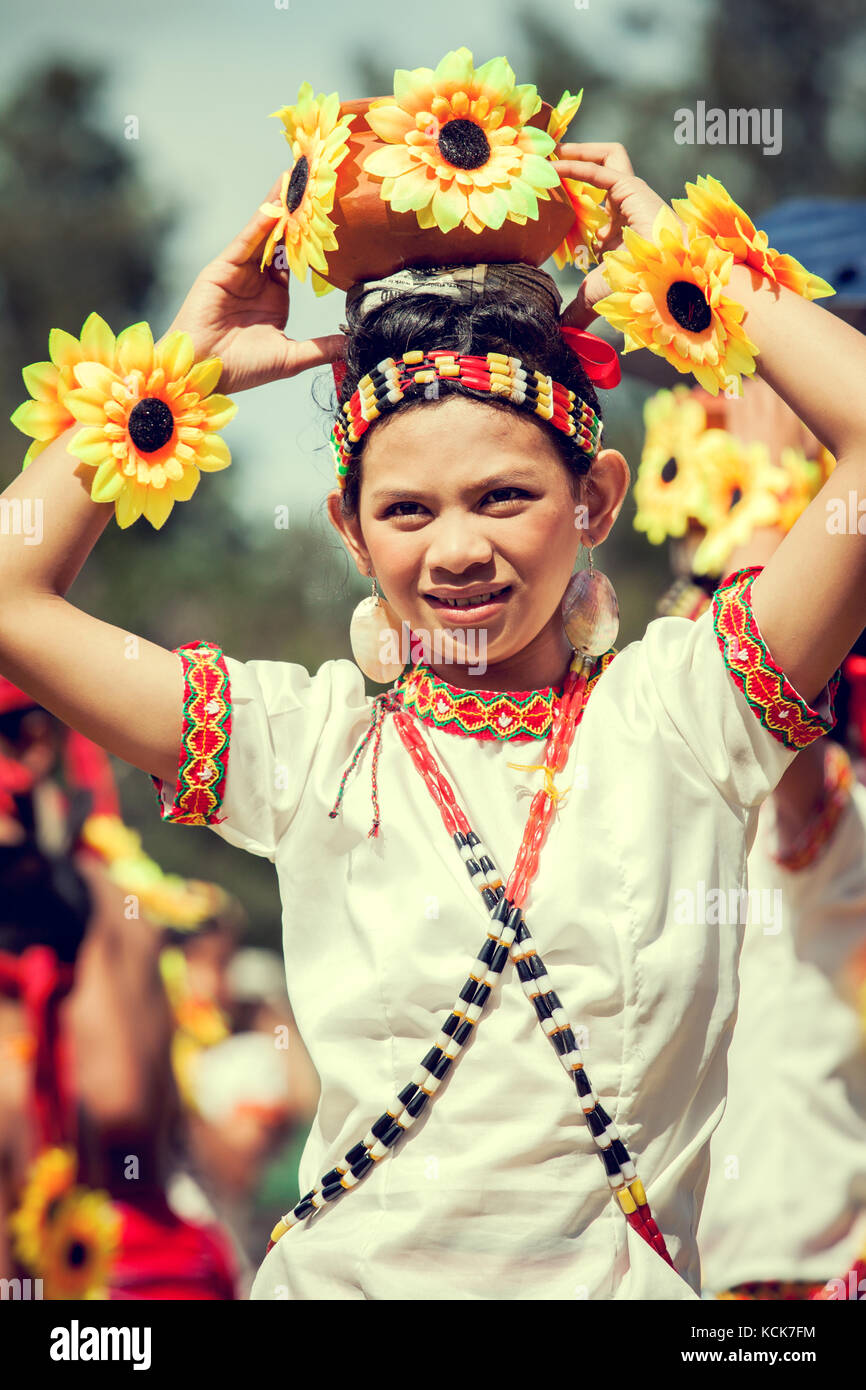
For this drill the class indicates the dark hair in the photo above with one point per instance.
(489, 324)
(44, 901)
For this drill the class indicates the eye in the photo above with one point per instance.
(496, 493)
(393, 509)
(518, 491)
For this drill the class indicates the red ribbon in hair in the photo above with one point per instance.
(598, 359)
(339, 368)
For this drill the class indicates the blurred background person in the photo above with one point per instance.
(785, 1206)
(87, 1103)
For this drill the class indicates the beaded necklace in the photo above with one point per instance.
(507, 935)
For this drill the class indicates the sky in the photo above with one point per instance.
(202, 78)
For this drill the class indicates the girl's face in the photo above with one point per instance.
(459, 499)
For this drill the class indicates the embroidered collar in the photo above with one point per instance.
(518, 715)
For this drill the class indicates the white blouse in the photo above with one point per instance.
(498, 1191)
(787, 1191)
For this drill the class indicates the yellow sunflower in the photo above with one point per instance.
(149, 423)
(710, 208)
(670, 489)
(459, 151)
(110, 838)
(563, 114)
(745, 491)
(51, 1178)
(673, 422)
(318, 136)
(80, 1244)
(589, 213)
(45, 417)
(667, 296)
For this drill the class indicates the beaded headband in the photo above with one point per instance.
(392, 380)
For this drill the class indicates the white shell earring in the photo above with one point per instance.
(374, 635)
(590, 612)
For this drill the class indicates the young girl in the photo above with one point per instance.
(659, 759)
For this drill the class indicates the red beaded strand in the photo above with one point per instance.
(567, 715)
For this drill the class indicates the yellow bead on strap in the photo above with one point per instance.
(410, 358)
(626, 1201)
(279, 1230)
(636, 1189)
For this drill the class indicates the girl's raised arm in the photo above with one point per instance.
(810, 599)
(119, 690)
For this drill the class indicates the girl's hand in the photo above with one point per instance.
(631, 202)
(237, 312)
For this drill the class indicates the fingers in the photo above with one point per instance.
(281, 277)
(599, 175)
(599, 152)
(315, 352)
(578, 314)
(247, 243)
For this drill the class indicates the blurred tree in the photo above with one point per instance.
(78, 231)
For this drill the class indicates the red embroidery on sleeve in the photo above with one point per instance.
(773, 699)
(204, 746)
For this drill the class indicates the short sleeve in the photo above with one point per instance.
(718, 690)
(251, 732)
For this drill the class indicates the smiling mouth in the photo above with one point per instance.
(478, 601)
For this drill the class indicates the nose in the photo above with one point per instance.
(457, 542)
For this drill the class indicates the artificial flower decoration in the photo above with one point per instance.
(51, 1178)
(673, 423)
(710, 208)
(745, 490)
(667, 296)
(805, 478)
(590, 216)
(150, 423)
(110, 838)
(80, 1244)
(670, 490)
(458, 149)
(563, 114)
(317, 135)
(45, 417)
(167, 900)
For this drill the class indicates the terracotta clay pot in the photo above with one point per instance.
(375, 241)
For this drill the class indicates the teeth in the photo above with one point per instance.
(470, 602)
